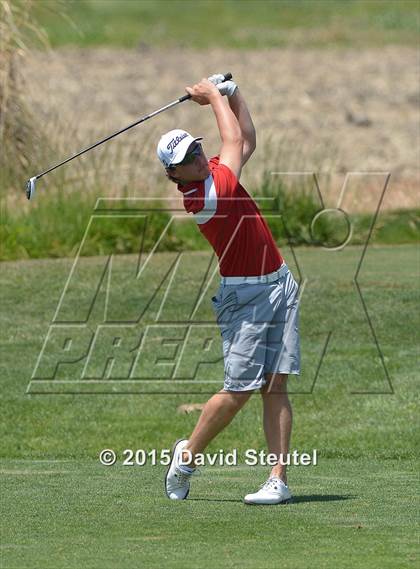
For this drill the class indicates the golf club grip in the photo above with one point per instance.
(227, 77)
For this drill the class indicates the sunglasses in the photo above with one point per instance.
(190, 156)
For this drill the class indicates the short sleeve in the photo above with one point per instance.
(225, 181)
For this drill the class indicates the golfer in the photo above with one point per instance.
(256, 305)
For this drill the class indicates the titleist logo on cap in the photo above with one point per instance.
(175, 141)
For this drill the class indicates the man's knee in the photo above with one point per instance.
(275, 383)
(237, 398)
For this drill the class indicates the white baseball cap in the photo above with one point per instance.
(173, 146)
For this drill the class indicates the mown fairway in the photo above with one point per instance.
(347, 513)
(62, 509)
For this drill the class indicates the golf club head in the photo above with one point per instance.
(30, 188)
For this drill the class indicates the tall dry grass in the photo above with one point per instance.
(20, 132)
(29, 143)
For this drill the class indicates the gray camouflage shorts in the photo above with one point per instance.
(259, 325)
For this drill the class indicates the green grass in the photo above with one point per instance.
(79, 514)
(55, 227)
(75, 513)
(230, 23)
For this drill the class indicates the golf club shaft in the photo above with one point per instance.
(145, 118)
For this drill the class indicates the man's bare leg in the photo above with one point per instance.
(217, 413)
(277, 419)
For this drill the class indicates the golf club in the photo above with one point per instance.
(30, 184)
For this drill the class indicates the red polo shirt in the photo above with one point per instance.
(230, 220)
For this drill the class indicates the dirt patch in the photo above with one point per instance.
(331, 112)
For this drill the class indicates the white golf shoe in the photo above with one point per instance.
(177, 480)
(273, 491)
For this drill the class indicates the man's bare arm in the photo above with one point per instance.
(206, 93)
(241, 112)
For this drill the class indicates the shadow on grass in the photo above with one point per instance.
(213, 500)
(321, 498)
(295, 499)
